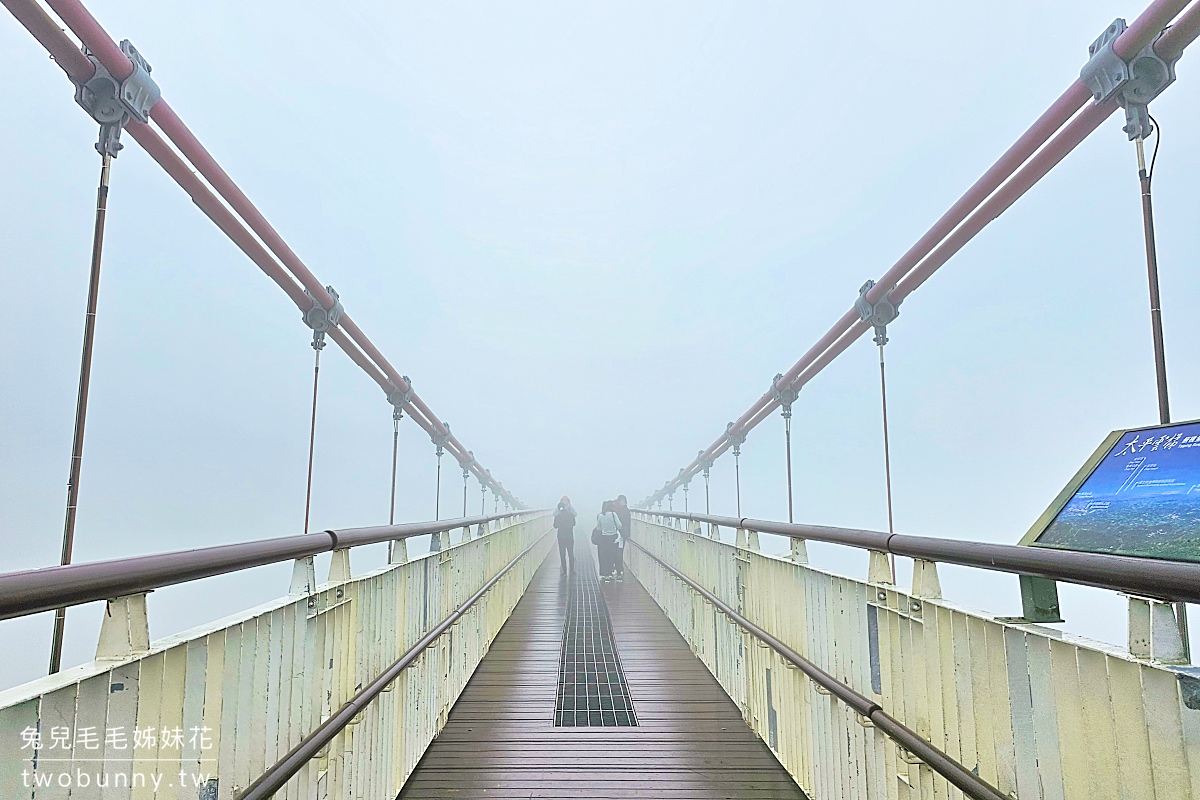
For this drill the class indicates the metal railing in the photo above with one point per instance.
(1030, 711)
(310, 746)
(1145, 577)
(339, 690)
(944, 765)
(35, 590)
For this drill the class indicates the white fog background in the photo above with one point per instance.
(591, 233)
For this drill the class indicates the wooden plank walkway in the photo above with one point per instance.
(500, 740)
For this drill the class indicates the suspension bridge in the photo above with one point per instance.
(482, 669)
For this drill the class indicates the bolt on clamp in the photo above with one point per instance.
(1134, 82)
(399, 399)
(322, 319)
(114, 103)
(785, 397)
(877, 314)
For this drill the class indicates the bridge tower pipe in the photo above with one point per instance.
(397, 549)
(785, 397)
(312, 438)
(81, 400)
(113, 101)
(878, 314)
(439, 442)
(466, 473)
(1134, 82)
(736, 439)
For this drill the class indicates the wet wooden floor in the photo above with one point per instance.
(500, 740)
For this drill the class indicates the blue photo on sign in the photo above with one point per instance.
(1141, 499)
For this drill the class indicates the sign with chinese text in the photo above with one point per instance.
(1139, 495)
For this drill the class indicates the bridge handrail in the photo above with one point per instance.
(271, 781)
(36, 590)
(970, 783)
(1143, 577)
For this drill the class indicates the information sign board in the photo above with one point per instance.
(1138, 495)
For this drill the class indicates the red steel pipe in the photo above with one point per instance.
(221, 216)
(46, 30)
(228, 223)
(1182, 32)
(93, 35)
(1141, 32)
(1075, 132)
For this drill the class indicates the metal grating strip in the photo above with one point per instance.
(592, 691)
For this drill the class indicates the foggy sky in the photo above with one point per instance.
(591, 233)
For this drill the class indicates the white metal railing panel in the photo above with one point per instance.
(1037, 713)
(205, 712)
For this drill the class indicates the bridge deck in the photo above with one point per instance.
(500, 740)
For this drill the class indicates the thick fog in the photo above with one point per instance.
(591, 233)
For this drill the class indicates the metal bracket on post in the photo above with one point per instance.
(339, 566)
(878, 314)
(125, 628)
(1134, 82)
(798, 552)
(399, 400)
(785, 397)
(1039, 601)
(1154, 632)
(737, 438)
(925, 582)
(114, 103)
(304, 577)
(879, 568)
(440, 440)
(322, 319)
(398, 553)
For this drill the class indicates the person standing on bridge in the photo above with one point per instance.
(621, 508)
(606, 536)
(564, 523)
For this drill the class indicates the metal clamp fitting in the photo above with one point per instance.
(877, 314)
(706, 464)
(440, 440)
(112, 103)
(322, 319)
(735, 438)
(399, 399)
(684, 480)
(785, 397)
(1134, 83)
